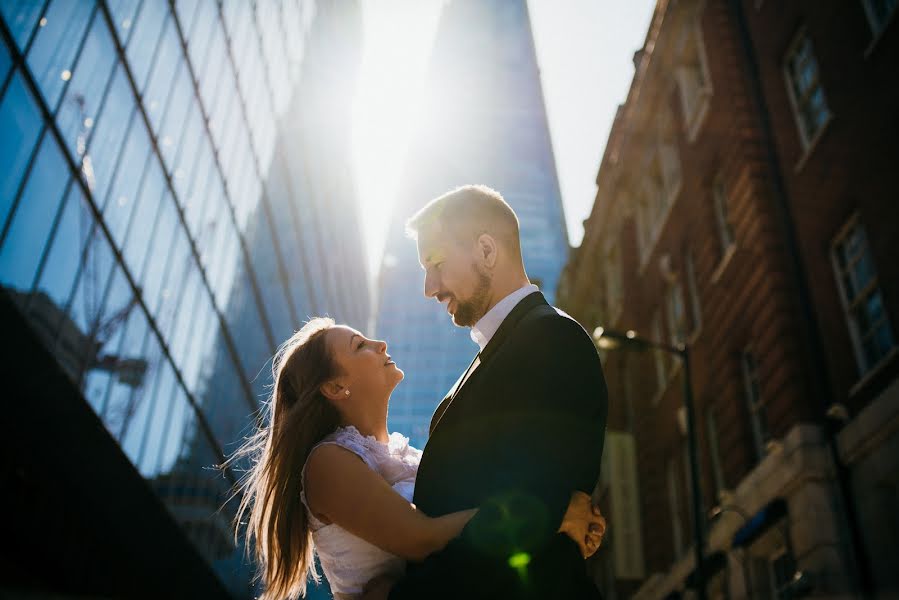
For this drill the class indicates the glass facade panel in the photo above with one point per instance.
(20, 122)
(137, 241)
(173, 356)
(5, 63)
(130, 370)
(66, 246)
(123, 12)
(33, 217)
(160, 85)
(139, 407)
(106, 141)
(132, 162)
(56, 44)
(142, 44)
(151, 279)
(21, 16)
(173, 124)
(78, 110)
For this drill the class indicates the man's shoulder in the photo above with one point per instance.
(546, 318)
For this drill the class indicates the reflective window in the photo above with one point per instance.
(163, 235)
(199, 346)
(180, 420)
(102, 339)
(5, 63)
(130, 373)
(198, 39)
(153, 434)
(78, 111)
(224, 403)
(86, 304)
(180, 101)
(160, 84)
(202, 176)
(142, 44)
(33, 217)
(186, 9)
(66, 246)
(136, 243)
(225, 110)
(21, 16)
(132, 162)
(185, 317)
(109, 134)
(179, 262)
(211, 74)
(188, 161)
(245, 323)
(224, 265)
(268, 275)
(275, 52)
(21, 124)
(135, 414)
(123, 12)
(52, 54)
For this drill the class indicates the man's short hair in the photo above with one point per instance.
(467, 212)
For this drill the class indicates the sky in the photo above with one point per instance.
(584, 49)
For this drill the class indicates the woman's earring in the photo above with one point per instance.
(347, 392)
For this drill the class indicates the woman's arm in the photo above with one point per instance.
(341, 489)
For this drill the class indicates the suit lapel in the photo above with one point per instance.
(505, 328)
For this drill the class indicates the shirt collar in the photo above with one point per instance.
(485, 328)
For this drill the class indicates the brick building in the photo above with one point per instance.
(746, 208)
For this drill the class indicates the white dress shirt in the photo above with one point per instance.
(485, 328)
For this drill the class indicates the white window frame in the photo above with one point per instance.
(850, 304)
(694, 82)
(754, 403)
(725, 228)
(807, 138)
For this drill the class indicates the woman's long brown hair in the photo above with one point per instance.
(297, 417)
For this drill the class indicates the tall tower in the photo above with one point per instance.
(484, 121)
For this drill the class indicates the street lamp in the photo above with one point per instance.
(607, 339)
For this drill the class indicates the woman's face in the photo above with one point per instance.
(367, 370)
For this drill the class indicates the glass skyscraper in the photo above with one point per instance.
(170, 212)
(484, 122)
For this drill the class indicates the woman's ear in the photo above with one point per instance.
(333, 390)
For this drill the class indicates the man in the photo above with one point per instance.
(520, 429)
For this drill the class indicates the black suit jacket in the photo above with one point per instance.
(523, 431)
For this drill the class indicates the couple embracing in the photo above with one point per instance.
(497, 504)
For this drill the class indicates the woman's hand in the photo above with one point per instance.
(583, 522)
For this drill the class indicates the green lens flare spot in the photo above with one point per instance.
(519, 560)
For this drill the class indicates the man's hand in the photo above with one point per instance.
(378, 588)
(583, 522)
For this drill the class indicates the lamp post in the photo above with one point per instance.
(611, 340)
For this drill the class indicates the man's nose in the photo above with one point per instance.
(431, 285)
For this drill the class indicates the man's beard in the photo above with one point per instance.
(469, 312)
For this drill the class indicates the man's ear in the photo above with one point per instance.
(487, 249)
(333, 390)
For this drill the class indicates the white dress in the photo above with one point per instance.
(349, 562)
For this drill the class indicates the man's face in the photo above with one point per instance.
(453, 275)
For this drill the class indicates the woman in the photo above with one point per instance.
(327, 476)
